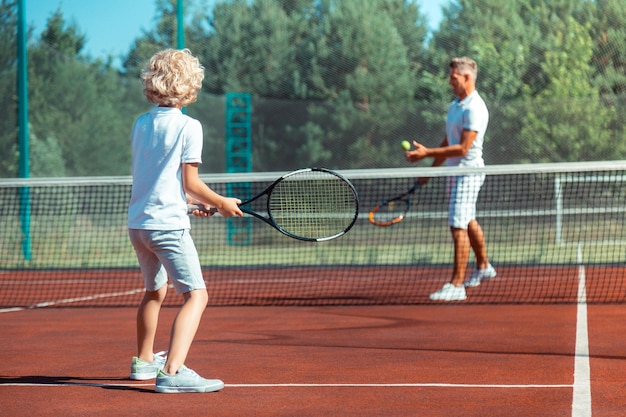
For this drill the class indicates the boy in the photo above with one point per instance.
(166, 151)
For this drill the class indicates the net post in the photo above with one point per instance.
(239, 159)
(558, 199)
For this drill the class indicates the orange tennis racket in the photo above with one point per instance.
(393, 210)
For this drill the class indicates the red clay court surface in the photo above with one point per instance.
(407, 285)
(458, 359)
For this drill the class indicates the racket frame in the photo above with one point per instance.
(270, 220)
(406, 197)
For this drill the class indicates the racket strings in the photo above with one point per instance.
(390, 212)
(313, 204)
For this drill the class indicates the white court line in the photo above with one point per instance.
(410, 385)
(74, 300)
(581, 401)
(74, 384)
(294, 385)
(9, 310)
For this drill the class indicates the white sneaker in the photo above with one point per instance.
(479, 275)
(141, 370)
(449, 293)
(186, 380)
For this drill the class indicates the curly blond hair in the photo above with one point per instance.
(172, 78)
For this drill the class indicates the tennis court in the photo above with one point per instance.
(452, 360)
(339, 328)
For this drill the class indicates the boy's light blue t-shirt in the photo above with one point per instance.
(162, 140)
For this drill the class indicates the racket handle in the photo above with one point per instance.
(192, 207)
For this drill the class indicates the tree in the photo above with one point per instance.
(536, 74)
(609, 64)
(330, 80)
(78, 109)
(609, 36)
(161, 37)
(250, 50)
(566, 120)
(335, 83)
(500, 40)
(368, 81)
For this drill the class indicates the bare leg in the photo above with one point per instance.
(147, 321)
(184, 329)
(461, 255)
(477, 240)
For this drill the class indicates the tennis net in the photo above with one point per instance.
(554, 232)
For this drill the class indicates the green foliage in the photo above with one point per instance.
(47, 157)
(251, 50)
(66, 39)
(79, 113)
(609, 62)
(570, 122)
(334, 83)
(161, 37)
(537, 75)
(347, 59)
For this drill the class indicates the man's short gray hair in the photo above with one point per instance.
(465, 65)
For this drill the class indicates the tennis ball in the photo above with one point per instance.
(406, 145)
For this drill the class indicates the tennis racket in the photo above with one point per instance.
(393, 210)
(312, 204)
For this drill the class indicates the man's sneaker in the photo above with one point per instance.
(479, 275)
(449, 293)
(186, 380)
(141, 370)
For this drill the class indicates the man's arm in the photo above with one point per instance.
(443, 151)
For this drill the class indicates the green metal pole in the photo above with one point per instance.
(23, 142)
(180, 30)
(180, 25)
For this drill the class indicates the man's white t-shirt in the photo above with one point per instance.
(468, 114)
(162, 140)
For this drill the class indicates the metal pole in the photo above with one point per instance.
(180, 25)
(180, 30)
(558, 203)
(23, 141)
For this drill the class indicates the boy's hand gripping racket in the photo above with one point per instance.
(393, 210)
(312, 204)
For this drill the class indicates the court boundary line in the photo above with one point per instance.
(53, 303)
(311, 385)
(581, 395)
(408, 385)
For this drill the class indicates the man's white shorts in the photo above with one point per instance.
(463, 191)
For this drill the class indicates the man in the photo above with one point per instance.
(462, 145)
